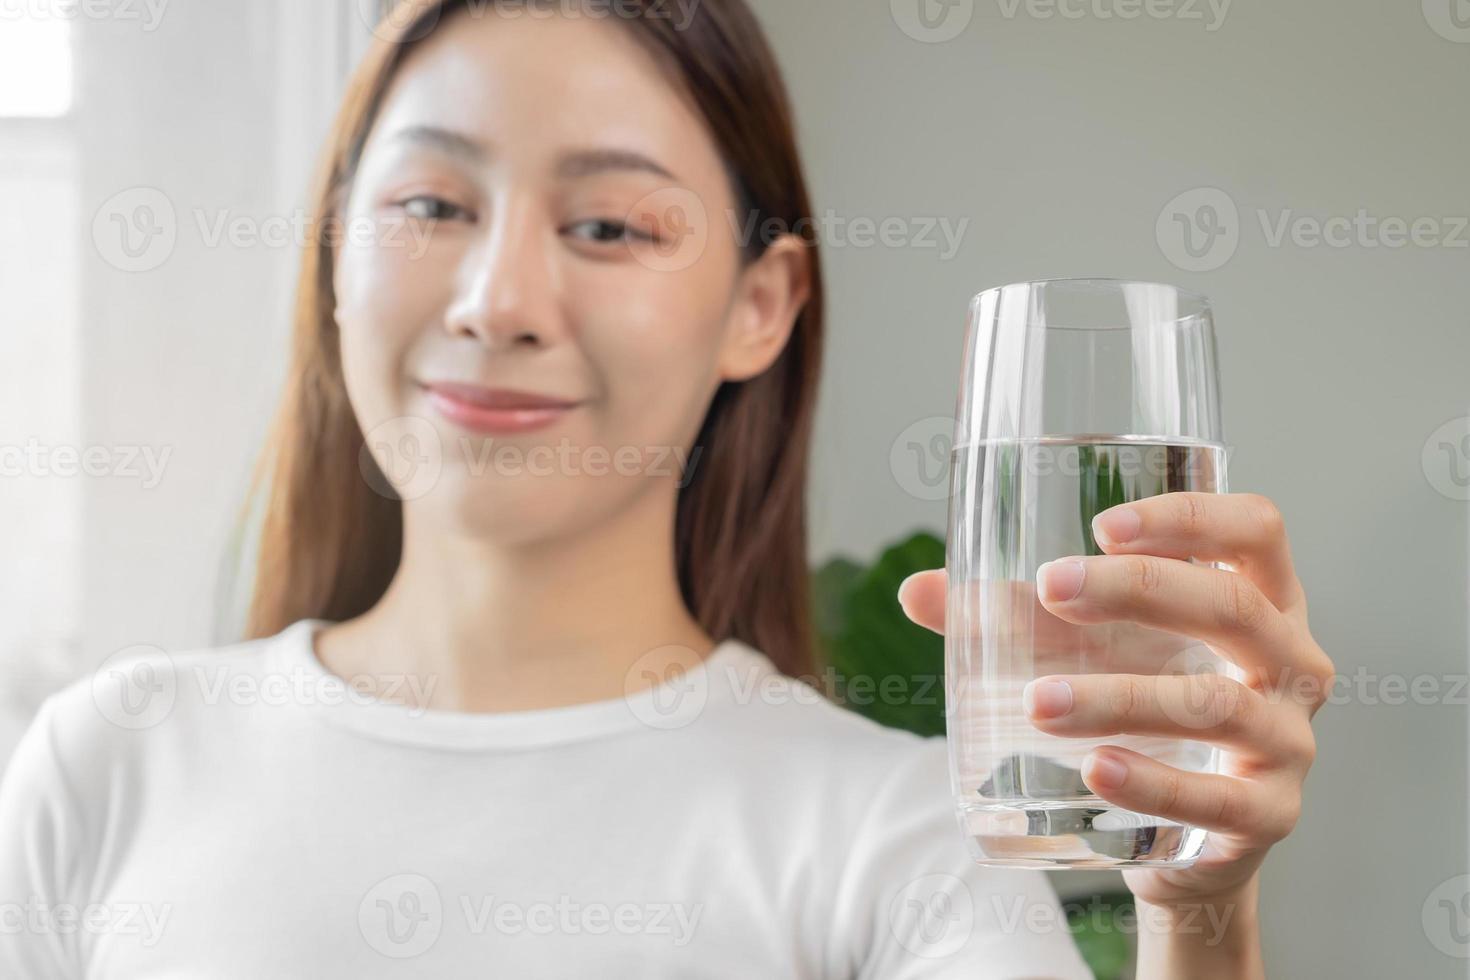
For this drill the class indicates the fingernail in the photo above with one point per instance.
(1104, 772)
(1118, 525)
(903, 588)
(1060, 580)
(1047, 698)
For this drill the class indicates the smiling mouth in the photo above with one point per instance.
(497, 411)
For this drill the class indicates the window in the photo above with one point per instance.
(35, 65)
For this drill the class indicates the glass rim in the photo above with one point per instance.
(1202, 310)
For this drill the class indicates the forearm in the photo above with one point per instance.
(1214, 939)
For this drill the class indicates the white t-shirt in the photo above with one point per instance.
(243, 813)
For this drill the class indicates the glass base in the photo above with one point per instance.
(1078, 834)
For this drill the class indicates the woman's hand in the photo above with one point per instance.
(1256, 616)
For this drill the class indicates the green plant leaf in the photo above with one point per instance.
(1101, 935)
(830, 585)
(886, 667)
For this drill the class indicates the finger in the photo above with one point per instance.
(1207, 707)
(1221, 608)
(1244, 530)
(1261, 810)
(922, 596)
(997, 614)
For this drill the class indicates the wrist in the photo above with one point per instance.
(1216, 934)
(1215, 923)
(1240, 903)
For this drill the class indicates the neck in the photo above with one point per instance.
(487, 626)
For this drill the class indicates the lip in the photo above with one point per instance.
(497, 411)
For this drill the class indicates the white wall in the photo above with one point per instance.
(40, 414)
(1063, 140)
(216, 125)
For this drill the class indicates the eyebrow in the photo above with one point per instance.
(571, 165)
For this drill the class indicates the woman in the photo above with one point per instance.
(518, 698)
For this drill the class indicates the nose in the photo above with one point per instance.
(508, 286)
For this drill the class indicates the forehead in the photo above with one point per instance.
(535, 86)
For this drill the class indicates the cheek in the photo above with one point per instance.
(382, 307)
(655, 339)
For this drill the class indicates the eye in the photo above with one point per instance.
(426, 207)
(607, 231)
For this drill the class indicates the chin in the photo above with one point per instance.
(513, 510)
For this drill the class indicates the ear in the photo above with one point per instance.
(769, 297)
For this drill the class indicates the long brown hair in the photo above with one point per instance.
(331, 543)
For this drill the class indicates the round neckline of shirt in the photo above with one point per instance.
(646, 711)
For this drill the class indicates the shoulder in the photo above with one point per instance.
(74, 789)
(102, 725)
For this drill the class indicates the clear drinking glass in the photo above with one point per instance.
(1077, 395)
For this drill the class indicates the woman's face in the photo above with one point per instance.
(547, 215)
